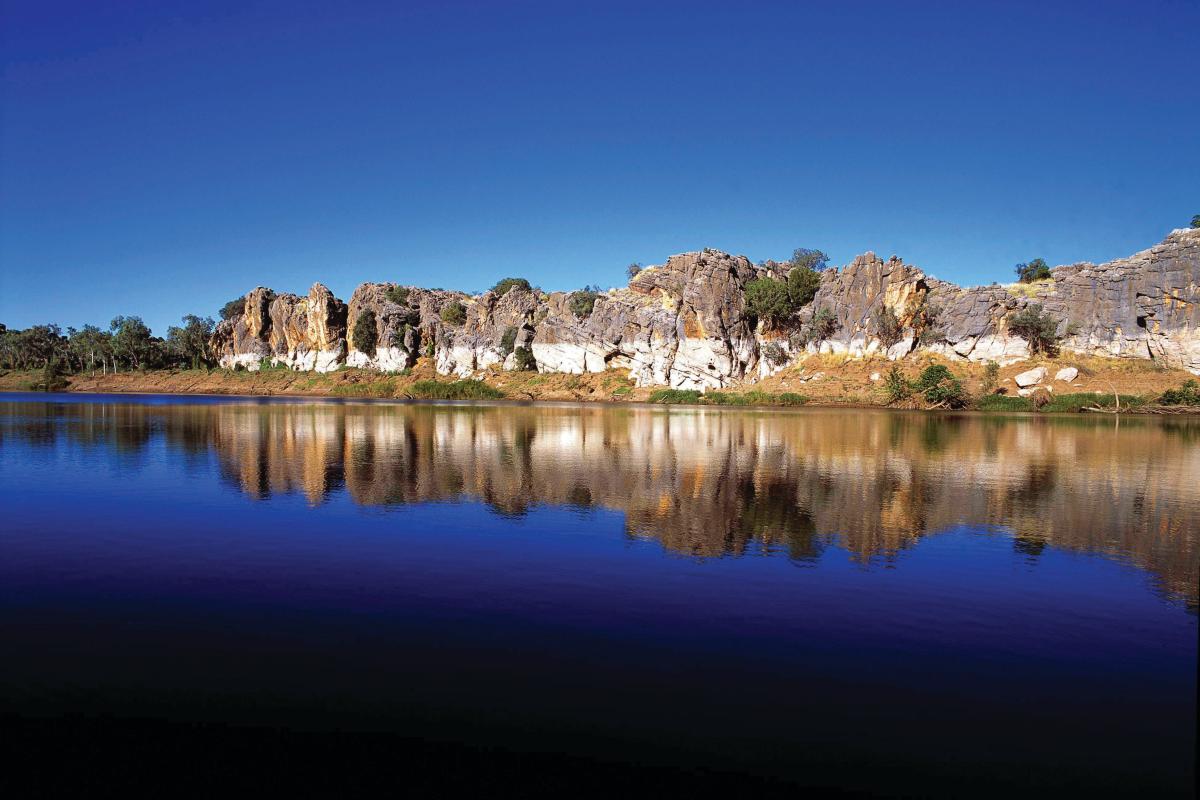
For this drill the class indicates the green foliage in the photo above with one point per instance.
(508, 341)
(621, 391)
(583, 301)
(366, 332)
(812, 260)
(1188, 394)
(888, 327)
(991, 377)
(1035, 270)
(505, 286)
(1196, 221)
(802, 285)
(896, 386)
(941, 388)
(454, 313)
(675, 396)
(189, 344)
(53, 377)
(633, 269)
(132, 342)
(454, 390)
(524, 359)
(753, 397)
(396, 294)
(383, 388)
(1037, 328)
(767, 300)
(233, 308)
(1080, 400)
(1001, 402)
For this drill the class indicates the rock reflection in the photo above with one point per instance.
(710, 483)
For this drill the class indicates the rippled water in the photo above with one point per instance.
(845, 597)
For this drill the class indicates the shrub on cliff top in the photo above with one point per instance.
(396, 294)
(583, 301)
(1035, 270)
(366, 332)
(233, 308)
(505, 286)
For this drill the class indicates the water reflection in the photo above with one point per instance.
(703, 483)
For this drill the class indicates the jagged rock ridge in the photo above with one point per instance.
(685, 323)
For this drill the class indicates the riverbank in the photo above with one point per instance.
(820, 380)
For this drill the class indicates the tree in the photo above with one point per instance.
(508, 284)
(233, 308)
(508, 341)
(366, 332)
(131, 341)
(1196, 221)
(1036, 327)
(524, 358)
(941, 388)
(189, 343)
(1035, 270)
(888, 327)
(90, 345)
(454, 313)
(812, 260)
(633, 269)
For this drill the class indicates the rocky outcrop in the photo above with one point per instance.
(685, 323)
(304, 333)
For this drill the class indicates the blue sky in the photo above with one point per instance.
(158, 158)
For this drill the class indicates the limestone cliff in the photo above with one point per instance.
(685, 323)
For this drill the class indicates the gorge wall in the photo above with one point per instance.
(685, 323)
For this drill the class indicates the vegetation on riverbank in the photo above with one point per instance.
(823, 380)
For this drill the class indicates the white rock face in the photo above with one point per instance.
(248, 361)
(875, 376)
(1031, 377)
(1066, 374)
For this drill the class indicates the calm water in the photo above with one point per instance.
(872, 600)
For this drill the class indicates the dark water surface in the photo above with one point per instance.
(877, 601)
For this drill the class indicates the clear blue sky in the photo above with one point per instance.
(159, 158)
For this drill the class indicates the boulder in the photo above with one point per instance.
(1031, 377)
(1066, 374)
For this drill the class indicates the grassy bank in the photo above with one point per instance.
(817, 381)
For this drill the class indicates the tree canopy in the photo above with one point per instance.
(1035, 270)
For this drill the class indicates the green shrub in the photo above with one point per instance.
(991, 377)
(524, 359)
(454, 313)
(396, 294)
(508, 340)
(454, 390)
(366, 332)
(792, 399)
(940, 387)
(767, 300)
(1036, 327)
(774, 353)
(1035, 270)
(1001, 402)
(621, 391)
(896, 386)
(385, 388)
(675, 396)
(1186, 395)
(583, 301)
(633, 269)
(505, 286)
